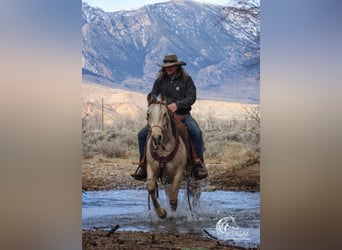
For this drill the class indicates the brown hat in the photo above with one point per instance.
(170, 60)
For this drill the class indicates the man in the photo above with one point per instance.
(178, 87)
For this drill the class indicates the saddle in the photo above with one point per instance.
(192, 156)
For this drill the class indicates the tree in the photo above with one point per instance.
(242, 18)
(253, 117)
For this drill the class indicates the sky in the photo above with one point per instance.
(115, 5)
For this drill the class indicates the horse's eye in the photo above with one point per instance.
(147, 116)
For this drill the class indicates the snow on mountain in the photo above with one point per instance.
(122, 49)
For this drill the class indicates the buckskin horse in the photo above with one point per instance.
(167, 154)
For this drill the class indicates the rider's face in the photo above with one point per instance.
(171, 70)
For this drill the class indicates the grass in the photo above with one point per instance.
(224, 141)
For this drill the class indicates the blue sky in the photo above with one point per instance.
(114, 5)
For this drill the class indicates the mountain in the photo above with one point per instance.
(122, 49)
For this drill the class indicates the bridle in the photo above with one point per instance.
(163, 160)
(157, 126)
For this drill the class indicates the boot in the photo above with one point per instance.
(141, 173)
(200, 172)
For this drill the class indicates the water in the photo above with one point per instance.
(129, 209)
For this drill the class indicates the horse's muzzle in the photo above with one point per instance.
(157, 139)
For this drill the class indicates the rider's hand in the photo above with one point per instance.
(172, 107)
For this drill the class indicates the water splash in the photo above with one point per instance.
(129, 209)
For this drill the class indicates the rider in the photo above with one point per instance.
(178, 87)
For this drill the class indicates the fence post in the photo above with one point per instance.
(102, 119)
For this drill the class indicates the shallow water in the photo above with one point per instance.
(129, 209)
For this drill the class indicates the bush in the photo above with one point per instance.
(110, 143)
(219, 138)
(110, 149)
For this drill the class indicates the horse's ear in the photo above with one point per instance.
(163, 99)
(151, 99)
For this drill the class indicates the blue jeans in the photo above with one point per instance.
(194, 131)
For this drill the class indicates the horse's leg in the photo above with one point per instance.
(168, 190)
(151, 187)
(173, 196)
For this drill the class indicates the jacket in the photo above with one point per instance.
(175, 89)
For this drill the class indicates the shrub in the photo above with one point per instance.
(110, 149)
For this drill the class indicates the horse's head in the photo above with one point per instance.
(158, 119)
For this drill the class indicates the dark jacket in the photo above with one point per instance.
(175, 89)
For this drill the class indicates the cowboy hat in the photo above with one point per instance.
(170, 60)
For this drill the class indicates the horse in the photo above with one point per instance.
(166, 154)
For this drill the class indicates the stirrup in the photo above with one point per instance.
(139, 174)
(200, 172)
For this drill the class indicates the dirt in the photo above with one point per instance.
(139, 240)
(106, 174)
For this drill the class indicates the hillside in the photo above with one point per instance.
(122, 104)
(122, 49)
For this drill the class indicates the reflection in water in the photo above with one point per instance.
(129, 209)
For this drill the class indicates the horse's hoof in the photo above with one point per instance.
(161, 212)
(173, 205)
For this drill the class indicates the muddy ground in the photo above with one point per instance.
(139, 240)
(105, 174)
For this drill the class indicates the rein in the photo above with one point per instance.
(164, 159)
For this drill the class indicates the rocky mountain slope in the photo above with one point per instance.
(122, 49)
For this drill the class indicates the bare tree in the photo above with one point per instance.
(242, 18)
(252, 112)
(253, 117)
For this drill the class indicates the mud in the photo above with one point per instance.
(101, 239)
(106, 174)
